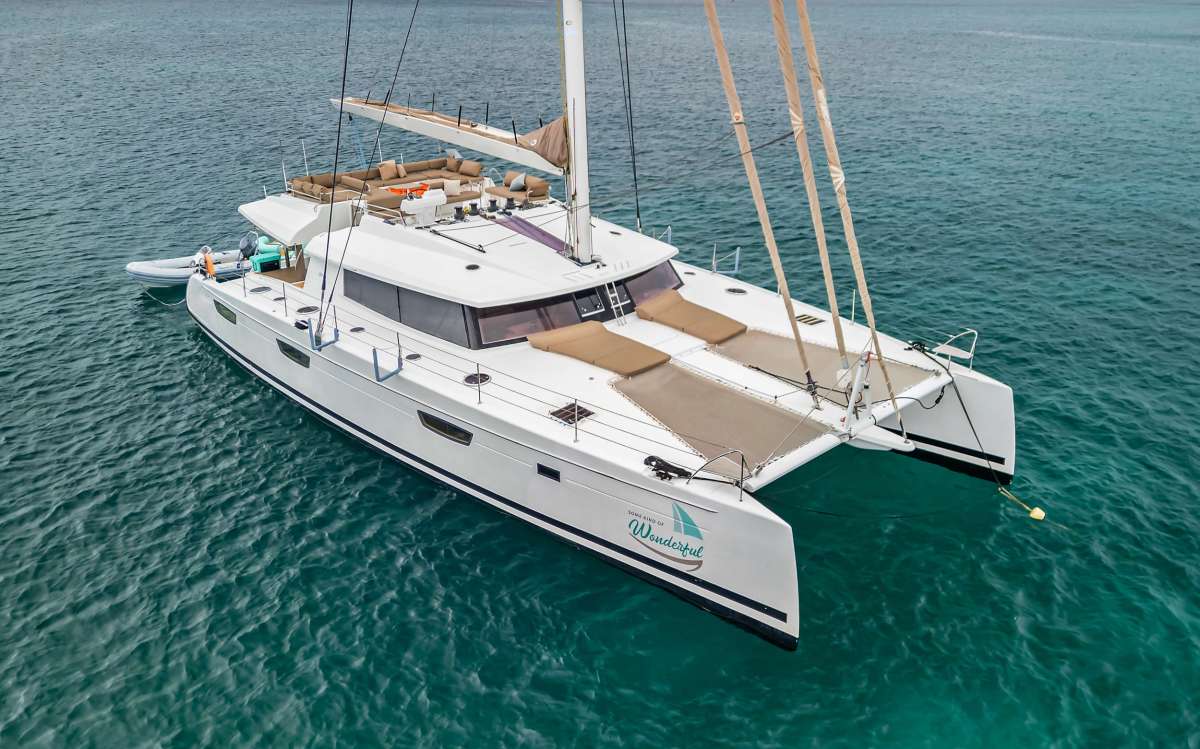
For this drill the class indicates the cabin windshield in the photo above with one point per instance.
(512, 321)
(653, 282)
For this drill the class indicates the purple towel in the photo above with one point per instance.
(534, 232)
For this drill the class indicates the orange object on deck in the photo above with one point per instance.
(209, 267)
(416, 192)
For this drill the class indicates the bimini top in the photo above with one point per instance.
(483, 262)
(544, 148)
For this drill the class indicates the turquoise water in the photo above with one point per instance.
(190, 559)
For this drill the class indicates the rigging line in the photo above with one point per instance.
(1036, 513)
(838, 177)
(337, 149)
(622, 30)
(738, 122)
(357, 201)
(783, 46)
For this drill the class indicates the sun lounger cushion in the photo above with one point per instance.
(390, 170)
(593, 343)
(671, 309)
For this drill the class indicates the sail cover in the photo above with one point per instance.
(544, 149)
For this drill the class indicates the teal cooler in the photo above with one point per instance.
(265, 261)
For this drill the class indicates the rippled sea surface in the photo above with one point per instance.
(187, 558)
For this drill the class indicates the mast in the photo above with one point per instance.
(575, 110)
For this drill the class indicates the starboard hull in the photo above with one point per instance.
(747, 574)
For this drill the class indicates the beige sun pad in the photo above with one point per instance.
(671, 309)
(714, 418)
(595, 344)
(776, 354)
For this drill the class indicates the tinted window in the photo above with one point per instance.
(434, 316)
(513, 321)
(292, 353)
(653, 282)
(445, 428)
(225, 312)
(376, 295)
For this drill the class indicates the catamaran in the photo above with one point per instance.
(576, 374)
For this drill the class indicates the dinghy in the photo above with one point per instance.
(175, 271)
(255, 252)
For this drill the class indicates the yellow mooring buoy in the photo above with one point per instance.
(1036, 513)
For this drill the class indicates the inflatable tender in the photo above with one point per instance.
(230, 264)
(175, 271)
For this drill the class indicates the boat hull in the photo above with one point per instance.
(747, 574)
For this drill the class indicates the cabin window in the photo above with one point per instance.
(428, 314)
(292, 353)
(446, 429)
(653, 282)
(437, 317)
(514, 321)
(374, 295)
(225, 312)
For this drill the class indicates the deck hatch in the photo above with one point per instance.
(571, 413)
(809, 320)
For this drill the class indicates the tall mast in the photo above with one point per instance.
(575, 110)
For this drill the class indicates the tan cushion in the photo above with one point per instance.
(510, 175)
(671, 309)
(324, 180)
(385, 199)
(593, 343)
(452, 163)
(388, 170)
(470, 168)
(354, 183)
(520, 196)
(536, 186)
(462, 196)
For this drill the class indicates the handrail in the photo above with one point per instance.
(474, 367)
(741, 468)
(970, 353)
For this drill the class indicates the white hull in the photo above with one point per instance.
(745, 570)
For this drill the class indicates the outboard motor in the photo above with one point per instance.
(249, 245)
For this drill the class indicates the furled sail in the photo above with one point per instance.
(544, 149)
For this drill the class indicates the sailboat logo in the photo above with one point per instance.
(684, 545)
(684, 523)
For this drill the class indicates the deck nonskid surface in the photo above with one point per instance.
(714, 418)
(776, 355)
